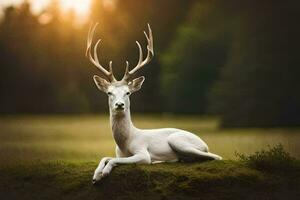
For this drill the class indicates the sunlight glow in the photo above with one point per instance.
(81, 8)
(109, 4)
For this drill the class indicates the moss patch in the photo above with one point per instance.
(208, 180)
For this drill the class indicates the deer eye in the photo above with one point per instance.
(109, 93)
(127, 93)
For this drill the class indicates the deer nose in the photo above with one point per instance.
(119, 104)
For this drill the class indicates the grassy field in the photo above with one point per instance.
(88, 138)
(56, 155)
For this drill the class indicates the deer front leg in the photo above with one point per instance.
(143, 157)
(101, 166)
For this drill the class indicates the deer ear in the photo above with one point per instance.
(101, 83)
(136, 84)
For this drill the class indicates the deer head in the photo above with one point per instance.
(119, 91)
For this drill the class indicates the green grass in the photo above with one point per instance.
(88, 138)
(54, 157)
(209, 180)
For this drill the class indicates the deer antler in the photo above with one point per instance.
(141, 62)
(109, 74)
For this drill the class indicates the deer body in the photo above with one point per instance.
(135, 145)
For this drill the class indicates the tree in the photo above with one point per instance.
(259, 85)
(191, 63)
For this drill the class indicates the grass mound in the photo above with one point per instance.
(243, 179)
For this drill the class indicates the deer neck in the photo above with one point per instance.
(122, 127)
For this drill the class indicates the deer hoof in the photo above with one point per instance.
(97, 179)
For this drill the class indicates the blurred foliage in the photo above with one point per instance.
(260, 82)
(193, 59)
(43, 65)
(235, 59)
(239, 59)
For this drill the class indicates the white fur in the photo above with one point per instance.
(135, 145)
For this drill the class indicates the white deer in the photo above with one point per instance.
(134, 145)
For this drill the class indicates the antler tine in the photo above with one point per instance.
(150, 52)
(112, 77)
(95, 60)
(126, 74)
